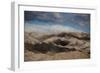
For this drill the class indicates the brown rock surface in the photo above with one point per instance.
(65, 45)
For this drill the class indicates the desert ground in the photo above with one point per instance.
(56, 46)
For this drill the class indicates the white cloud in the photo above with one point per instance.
(48, 28)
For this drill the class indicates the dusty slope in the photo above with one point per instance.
(65, 45)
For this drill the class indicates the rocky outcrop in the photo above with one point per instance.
(58, 46)
(62, 42)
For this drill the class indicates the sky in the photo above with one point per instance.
(39, 21)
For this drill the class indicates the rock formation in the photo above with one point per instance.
(58, 43)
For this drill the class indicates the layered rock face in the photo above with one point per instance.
(65, 45)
